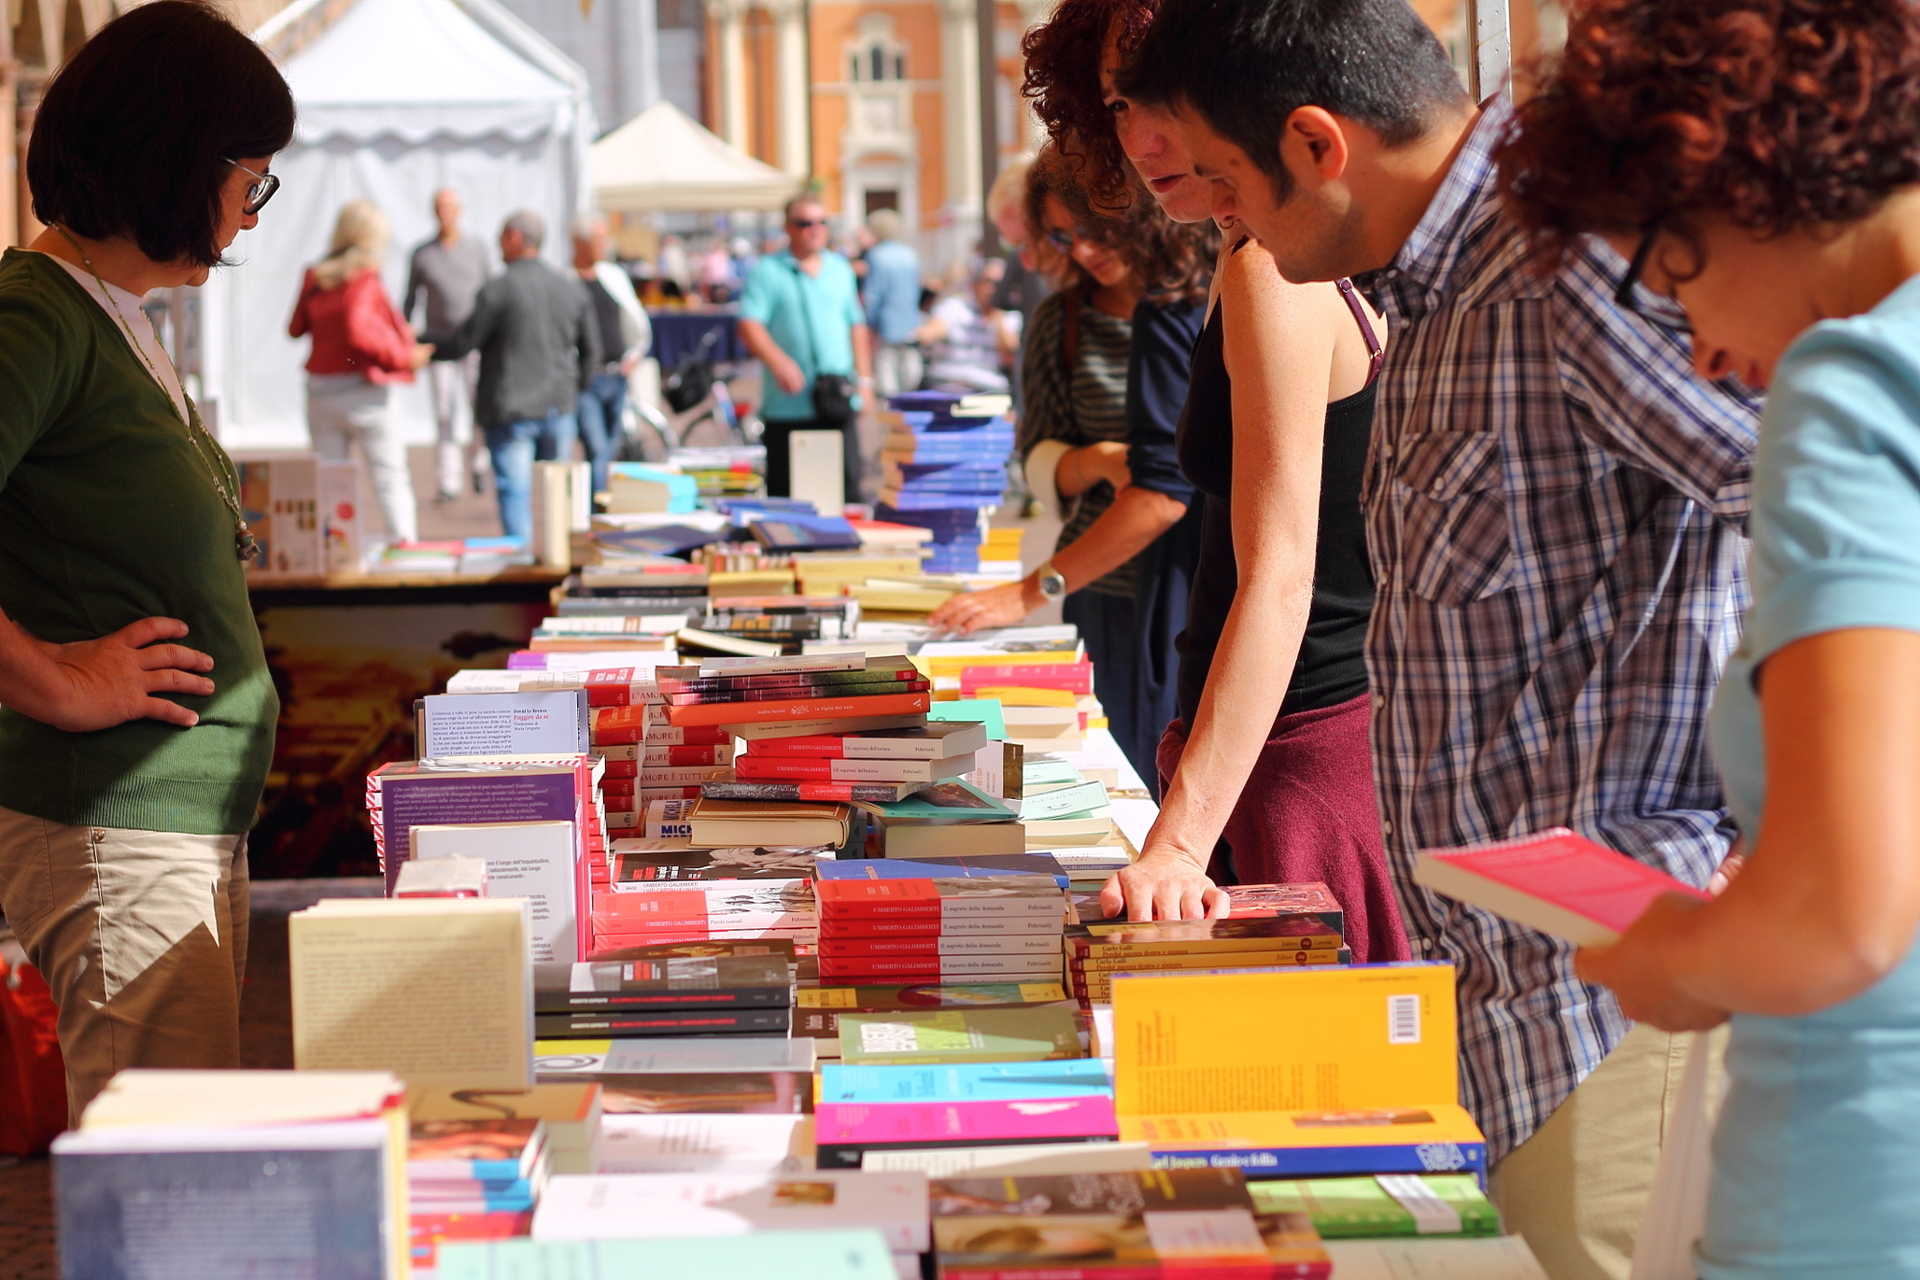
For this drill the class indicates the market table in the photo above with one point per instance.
(678, 332)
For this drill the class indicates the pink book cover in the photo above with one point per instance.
(1557, 881)
(1073, 677)
(1000, 1120)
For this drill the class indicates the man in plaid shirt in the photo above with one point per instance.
(1555, 511)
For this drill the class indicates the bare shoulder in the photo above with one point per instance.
(1263, 301)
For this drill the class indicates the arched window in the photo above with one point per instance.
(876, 54)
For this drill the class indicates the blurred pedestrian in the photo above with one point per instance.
(891, 294)
(673, 271)
(625, 335)
(445, 275)
(539, 347)
(1023, 286)
(361, 346)
(970, 342)
(800, 317)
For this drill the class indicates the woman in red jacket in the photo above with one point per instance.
(360, 346)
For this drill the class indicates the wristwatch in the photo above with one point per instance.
(1052, 584)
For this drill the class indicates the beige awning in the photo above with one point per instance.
(662, 160)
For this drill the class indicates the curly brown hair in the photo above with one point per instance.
(1172, 260)
(1063, 80)
(1780, 114)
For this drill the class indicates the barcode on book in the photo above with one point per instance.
(1403, 1019)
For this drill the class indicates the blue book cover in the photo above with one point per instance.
(683, 491)
(965, 1082)
(980, 864)
(951, 523)
(901, 500)
(805, 533)
(668, 540)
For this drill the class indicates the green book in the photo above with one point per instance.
(953, 801)
(1018, 1033)
(985, 710)
(791, 1255)
(1406, 1204)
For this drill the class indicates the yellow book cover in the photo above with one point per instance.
(1372, 1088)
(1017, 696)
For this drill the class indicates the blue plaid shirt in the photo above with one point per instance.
(1556, 510)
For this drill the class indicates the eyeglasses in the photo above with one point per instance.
(1065, 240)
(1661, 311)
(259, 191)
(803, 224)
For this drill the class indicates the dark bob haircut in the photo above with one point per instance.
(1779, 114)
(1248, 65)
(137, 131)
(1063, 81)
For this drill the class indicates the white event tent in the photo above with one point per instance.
(396, 99)
(662, 160)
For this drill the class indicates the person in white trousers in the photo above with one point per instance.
(444, 276)
(360, 347)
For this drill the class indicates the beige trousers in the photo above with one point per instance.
(142, 936)
(1578, 1187)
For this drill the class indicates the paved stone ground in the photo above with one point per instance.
(266, 1040)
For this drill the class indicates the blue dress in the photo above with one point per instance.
(1816, 1160)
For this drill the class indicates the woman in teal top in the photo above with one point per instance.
(1758, 162)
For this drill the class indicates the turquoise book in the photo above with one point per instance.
(790, 1255)
(965, 1081)
(947, 802)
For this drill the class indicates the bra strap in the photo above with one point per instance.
(1376, 354)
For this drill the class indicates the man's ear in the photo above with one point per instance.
(1314, 146)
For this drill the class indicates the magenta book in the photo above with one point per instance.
(846, 1130)
(1557, 881)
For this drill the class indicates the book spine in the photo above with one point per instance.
(628, 742)
(831, 926)
(804, 709)
(939, 969)
(789, 693)
(804, 792)
(940, 910)
(1037, 944)
(668, 756)
(590, 1002)
(690, 1023)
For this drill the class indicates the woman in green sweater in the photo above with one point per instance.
(130, 766)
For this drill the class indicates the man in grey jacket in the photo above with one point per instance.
(539, 347)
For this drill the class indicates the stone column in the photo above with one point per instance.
(793, 86)
(730, 66)
(960, 105)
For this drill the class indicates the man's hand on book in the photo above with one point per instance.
(97, 684)
(1636, 970)
(1162, 886)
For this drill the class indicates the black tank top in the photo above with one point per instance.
(1331, 668)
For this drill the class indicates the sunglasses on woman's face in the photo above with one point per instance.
(259, 191)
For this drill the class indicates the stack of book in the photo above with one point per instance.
(1137, 1225)
(819, 1009)
(674, 996)
(650, 584)
(788, 621)
(1272, 924)
(998, 928)
(637, 913)
(944, 460)
(1062, 809)
(871, 764)
(724, 473)
(605, 633)
(473, 1179)
(949, 818)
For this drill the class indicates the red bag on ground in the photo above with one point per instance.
(33, 1079)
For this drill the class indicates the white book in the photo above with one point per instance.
(1491, 1258)
(531, 860)
(435, 990)
(490, 725)
(693, 1143)
(641, 1206)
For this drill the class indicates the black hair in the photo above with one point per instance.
(1247, 65)
(136, 134)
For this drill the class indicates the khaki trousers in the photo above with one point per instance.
(1579, 1186)
(142, 936)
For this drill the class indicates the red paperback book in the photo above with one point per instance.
(1557, 881)
(983, 898)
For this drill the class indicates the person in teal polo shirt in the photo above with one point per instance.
(800, 315)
